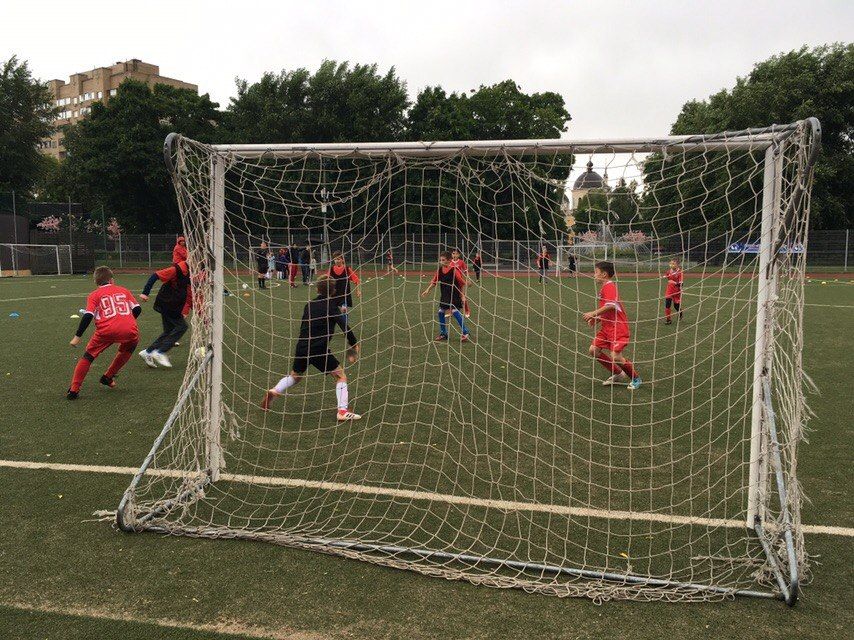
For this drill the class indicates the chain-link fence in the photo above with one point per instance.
(826, 250)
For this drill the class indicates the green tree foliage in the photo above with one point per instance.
(619, 206)
(115, 156)
(497, 112)
(26, 114)
(791, 86)
(337, 103)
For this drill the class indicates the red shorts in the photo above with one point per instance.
(608, 341)
(99, 342)
(673, 294)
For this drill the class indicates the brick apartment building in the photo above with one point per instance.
(75, 97)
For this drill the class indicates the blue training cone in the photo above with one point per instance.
(14, 314)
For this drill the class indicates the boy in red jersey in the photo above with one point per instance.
(345, 282)
(613, 335)
(115, 312)
(673, 293)
(459, 264)
(452, 296)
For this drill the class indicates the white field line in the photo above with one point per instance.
(81, 295)
(225, 628)
(505, 505)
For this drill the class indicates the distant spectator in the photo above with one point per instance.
(179, 252)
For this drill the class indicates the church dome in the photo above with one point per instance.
(589, 179)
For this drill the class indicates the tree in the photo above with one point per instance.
(497, 112)
(26, 116)
(115, 156)
(335, 104)
(787, 87)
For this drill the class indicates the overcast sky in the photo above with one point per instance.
(623, 68)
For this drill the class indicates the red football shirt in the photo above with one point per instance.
(460, 264)
(674, 281)
(613, 322)
(112, 307)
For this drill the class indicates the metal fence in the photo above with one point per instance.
(826, 249)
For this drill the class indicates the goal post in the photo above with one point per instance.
(504, 461)
(18, 259)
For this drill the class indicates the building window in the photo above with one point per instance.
(74, 100)
(112, 92)
(100, 95)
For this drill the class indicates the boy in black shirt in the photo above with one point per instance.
(319, 319)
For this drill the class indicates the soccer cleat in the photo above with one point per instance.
(268, 399)
(162, 359)
(147, 358)
(668, 321)
(353, 354)
(634, 384)
(680, 315)
(346, 414)
(108, 382)
(72, 395)
(617, 378)
(464, 337)
(440, 338)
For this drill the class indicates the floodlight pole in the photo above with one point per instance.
(763, 351)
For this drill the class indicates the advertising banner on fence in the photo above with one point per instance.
(753, 247)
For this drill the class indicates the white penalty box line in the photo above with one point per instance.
(505, 505)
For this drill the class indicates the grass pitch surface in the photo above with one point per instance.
(65, 574)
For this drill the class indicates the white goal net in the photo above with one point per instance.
(34, 259)
(502, 460)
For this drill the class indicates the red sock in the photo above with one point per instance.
(608, 364)
(80, 372)
(118, 362)
(667, 312)
(629, 368)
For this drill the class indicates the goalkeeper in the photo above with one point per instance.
(316, 328)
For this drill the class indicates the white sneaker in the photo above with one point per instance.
(617, 378)
(346, 414)
(161, 359)
(148, 359)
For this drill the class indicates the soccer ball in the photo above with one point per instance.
(245, 286)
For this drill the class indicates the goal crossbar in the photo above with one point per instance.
(748, 139)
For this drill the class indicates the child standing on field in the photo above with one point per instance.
(115, 311)
(673, 293)
(614, 334)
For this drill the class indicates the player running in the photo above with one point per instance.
(543, 261)
(346, 283)
(319, 318)
(389, 262)
(115, 311)
(169, 303)
(613, 335)
(673, 293)
(452, 296)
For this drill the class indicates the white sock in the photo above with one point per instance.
(343, 396)
(284, 383)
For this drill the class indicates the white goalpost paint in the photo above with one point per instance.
(503, 462)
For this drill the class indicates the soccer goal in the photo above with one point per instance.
(35, 259)
(503, 460)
